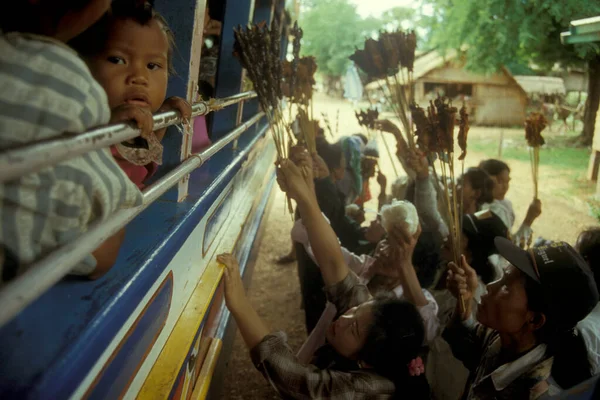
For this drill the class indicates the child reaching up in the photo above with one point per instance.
(47, 90)
(373, 346)
(129, 52)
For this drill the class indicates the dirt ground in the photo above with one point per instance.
(274, 290)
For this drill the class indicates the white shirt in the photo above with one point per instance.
(358, 264)
(589, 328)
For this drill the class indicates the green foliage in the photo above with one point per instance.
(505, 32)
(594, 208)
(332, 30)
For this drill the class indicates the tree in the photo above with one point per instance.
(501, 32)
(332, 31)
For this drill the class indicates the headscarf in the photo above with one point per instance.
(353, 147)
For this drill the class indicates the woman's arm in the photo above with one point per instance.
(275, 360)
(348, 231)
(251, 326)
(323, 240)
(426, 200)
(355, 263)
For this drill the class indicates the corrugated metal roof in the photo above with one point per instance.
(541, 84)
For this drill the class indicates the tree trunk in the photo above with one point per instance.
(592, 102)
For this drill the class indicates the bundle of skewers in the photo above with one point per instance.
(258, 49)
(390, 60)
(534, 125)
(297, 85)
(332, 133)
(434, 131)
(368, 120)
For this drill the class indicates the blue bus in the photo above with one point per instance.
(155, 326)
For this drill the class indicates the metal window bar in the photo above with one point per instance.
(22, 291)
(34, 157)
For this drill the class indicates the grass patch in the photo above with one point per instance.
(556, 154)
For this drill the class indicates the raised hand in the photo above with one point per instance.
(533, 212)
(461, 280)
(320, 168)
(291, 179)
(418, 163)
(235, 294)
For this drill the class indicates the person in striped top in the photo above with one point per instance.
(46, 91)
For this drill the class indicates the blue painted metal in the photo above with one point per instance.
(263, 11)
(132, 352)
(179, 15)
(243, 250)
(215, 222)
(229, 73)
(48, 349)
(242, 253)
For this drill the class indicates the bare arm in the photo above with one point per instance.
(323, 241)
(106, 254)
(403, 245)
(251, 326)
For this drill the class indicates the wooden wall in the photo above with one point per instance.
(499, 105)
(497, 99)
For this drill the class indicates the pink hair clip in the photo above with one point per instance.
(416, 367)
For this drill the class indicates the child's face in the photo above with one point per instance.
(504, 306)
(133, 68)
(501, 184)
(466, 192)
(348, 334)
(368, 167)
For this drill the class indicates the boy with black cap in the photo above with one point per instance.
(525, 330)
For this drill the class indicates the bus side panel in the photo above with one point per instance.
(176, 366)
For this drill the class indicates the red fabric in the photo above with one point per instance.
(365, 195)
(200, 139)
(136, 173)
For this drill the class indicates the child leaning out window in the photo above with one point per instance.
(129, 51)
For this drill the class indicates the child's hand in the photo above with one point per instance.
(533, 212)
(174, 104)
(403, 246)
(320, 169)
(129, 112)
(291, 180)
(235, 295)
(461, 281)
(177, 104)
(418, 163)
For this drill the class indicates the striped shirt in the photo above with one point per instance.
(47, 90)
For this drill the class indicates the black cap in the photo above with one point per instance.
(567, 282)
(481, 229)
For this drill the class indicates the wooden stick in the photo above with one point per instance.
(387, 147)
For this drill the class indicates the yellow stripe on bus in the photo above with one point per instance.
(208, 368)
(164, 372)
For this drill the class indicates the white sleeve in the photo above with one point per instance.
(523, 236)
(354, 262)
(430, 319)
